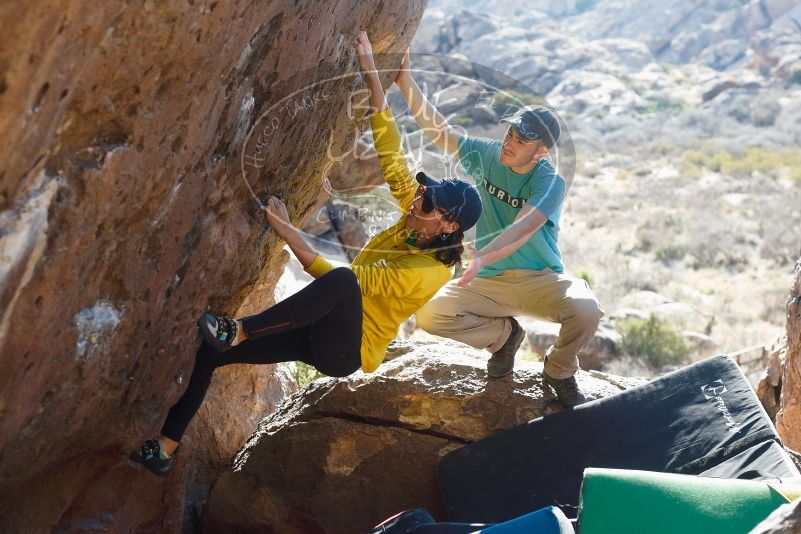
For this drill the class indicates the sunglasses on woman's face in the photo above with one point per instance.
(428, 202)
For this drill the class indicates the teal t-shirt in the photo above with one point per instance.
(503, 194)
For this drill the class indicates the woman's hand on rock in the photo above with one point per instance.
(364, 51)
(277, 216)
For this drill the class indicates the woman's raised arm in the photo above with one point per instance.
(364, 51)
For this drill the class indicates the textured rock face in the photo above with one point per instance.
(779, 390)
(126, 131)
(788, 418)
(239, 397)
(770, 384)
(345, 454)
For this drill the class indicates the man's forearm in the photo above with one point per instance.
(428, 118)
(505, 243)
(528, 221)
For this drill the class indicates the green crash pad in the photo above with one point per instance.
(628, 501)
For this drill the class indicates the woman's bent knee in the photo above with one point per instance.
(343, 281)
(344, 365)
(342, 275)
(344, 371)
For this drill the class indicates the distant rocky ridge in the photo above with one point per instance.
(633, 74)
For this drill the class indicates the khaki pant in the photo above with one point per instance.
(478, 314)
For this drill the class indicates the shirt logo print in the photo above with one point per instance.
(504, 196)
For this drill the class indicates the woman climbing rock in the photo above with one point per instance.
(346, 317)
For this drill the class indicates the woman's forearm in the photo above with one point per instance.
(364, 52)
(302, 250)
(378, 100)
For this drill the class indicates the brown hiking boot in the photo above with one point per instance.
(503, 360)
(566, 389)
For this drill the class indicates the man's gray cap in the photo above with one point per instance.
(536, 122)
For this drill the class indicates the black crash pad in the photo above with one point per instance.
(757, 462)
(688, 421)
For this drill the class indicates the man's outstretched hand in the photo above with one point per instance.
(474, 265)
(404, 73)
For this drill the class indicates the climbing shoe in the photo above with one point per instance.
(503, 360)
(567, 390)
(150, 456)
(218, 331)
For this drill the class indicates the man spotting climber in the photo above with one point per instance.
(520, 271)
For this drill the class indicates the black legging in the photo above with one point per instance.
(320, 325)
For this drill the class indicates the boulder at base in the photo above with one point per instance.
(345, 454)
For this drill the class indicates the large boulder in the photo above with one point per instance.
(344, 454)
(139, 140)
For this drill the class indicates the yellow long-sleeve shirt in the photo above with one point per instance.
(396, 278)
